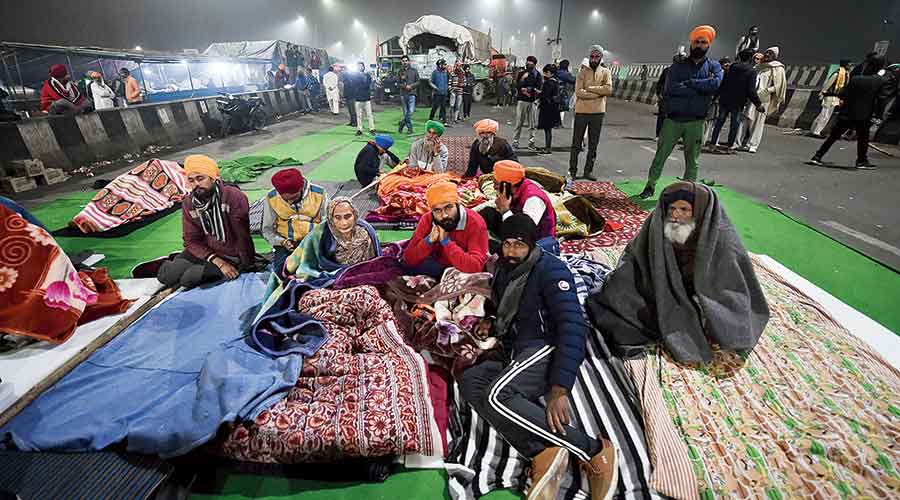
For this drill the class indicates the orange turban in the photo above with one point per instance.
(486, 125)
(441, 192)
(201, 164)
(509, 171)
(705, 31)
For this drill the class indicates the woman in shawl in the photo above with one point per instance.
(342, 241)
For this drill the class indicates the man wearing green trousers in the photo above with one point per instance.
(689, 89)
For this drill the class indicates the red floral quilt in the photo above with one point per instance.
(363, 394)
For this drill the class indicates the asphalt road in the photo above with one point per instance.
(858, 208)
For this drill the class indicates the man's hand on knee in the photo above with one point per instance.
(559, 413)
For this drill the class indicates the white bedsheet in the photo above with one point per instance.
(24, 368)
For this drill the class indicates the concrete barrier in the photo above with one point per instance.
(69, 141)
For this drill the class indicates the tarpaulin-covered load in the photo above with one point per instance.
(428, 31)
(273, 50)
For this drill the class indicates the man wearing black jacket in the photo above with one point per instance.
(528, 84)
(863, 100)
(738, 86)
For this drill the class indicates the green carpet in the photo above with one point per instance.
(407, 484)
(855, 279)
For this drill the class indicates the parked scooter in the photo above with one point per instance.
(240, 114)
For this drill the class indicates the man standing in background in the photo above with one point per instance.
(772, 86)
(592, 86)
(528, 84)
(409, 83)
(690, 87)
(829, 96)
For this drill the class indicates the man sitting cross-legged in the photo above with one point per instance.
(215, 220)
(543, 330)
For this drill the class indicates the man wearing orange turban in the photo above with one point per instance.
(690, 87)
(488, 149)
(516, 195)
(215, 226)
(450, 235)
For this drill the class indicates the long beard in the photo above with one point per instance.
(429, 146)
(594, 65)
(698, 53)
(679, 232)
(484, 145)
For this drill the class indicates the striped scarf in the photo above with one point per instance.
(68, 91)
(212, 219)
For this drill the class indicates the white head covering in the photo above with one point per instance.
(596, 48)
(775, 49)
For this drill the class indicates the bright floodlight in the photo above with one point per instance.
(301, 19)
(595, 14)
(338, 43)
(138, 47)
(183, 61)
(483, 21)
(544, 28)
(328, 3)
(356, 23)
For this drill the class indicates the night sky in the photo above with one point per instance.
(633, 30)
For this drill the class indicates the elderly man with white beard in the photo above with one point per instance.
(685, 282)
(488, 149)
(428, 152)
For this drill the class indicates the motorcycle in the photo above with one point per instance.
(241, 114)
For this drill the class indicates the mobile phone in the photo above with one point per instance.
(506, 189)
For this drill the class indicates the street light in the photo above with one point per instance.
(138, 47)
(595, 14)
(328, 3)
(301, 19)
(544, 29)
(356, 23)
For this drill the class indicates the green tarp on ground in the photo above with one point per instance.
(247, 168)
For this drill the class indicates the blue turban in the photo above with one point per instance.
(384, 141)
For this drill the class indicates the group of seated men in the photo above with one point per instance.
(534, 309)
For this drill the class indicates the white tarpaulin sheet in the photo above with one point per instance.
(437, 25)
(265, 49)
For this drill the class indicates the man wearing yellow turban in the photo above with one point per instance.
(690, 87)
(215, 226)
(488, 149)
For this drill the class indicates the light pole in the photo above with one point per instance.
(556, 42)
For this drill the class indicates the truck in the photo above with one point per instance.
(430, 38)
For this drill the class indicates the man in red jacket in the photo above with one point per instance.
(215, 220)
(59, 95)
(450, 235)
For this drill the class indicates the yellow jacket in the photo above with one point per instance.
(293, 222)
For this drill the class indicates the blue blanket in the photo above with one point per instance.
(167, 382)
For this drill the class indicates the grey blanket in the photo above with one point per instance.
(644, 303)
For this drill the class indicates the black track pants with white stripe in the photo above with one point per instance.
(508, 397)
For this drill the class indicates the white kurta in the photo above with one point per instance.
(332, 91)
(102, 95)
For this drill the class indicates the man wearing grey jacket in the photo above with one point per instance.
(409, 83)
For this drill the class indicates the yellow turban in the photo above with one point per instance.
(201, 164)
(441, 192)
(509, 171)
(486, 125)
(706, 31)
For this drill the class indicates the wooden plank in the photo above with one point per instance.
(54, 377)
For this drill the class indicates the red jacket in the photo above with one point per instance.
(238, 242)
(466, 249)
(49, 95)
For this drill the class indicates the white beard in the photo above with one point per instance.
(678, 232)
(485, 145)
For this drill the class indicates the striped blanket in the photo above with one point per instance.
(481, 461)
(147, 189)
